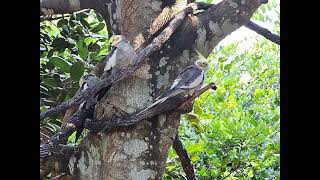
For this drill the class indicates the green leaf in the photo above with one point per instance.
(202, 172)
(82, 15)
(197, 109)
(72, 137)
(195, 158)
(195, 148)
(250, 173)
(60, 63)
(62, 22)
(206, 116)
(60, 44)
(85, 23)
(77, 70)
(82, 49)
(97, 28)
(192, 118)
(56, 43)
(43, 109)
(89, 40)
(50, 53)
(100, 18)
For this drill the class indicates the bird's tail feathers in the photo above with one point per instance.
(170, 93)
(152, 105)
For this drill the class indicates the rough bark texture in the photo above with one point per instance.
(61, 6)
(140, 151)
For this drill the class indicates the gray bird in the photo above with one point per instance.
(121, 56)
(186, 84)
(85, 82)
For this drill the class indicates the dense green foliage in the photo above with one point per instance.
(232, 133)
(69, 48)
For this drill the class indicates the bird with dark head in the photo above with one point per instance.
(87, 81)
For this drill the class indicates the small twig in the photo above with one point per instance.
(198, 93)
(50, 18)
(59, 176)
(184, 158)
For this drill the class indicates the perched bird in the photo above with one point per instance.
(186, 84)
(121, 56)
(86, 82)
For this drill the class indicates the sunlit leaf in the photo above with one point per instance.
(60, 63)
(82, 50)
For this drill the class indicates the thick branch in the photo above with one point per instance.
(264, 32)
(184, 158)
(141, 58)
(178, 103)
(76, 121)
(204, 30)
(258, 29)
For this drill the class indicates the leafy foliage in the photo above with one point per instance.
(234, 132)
(69, 48)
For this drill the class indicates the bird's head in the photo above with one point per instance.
(203, 64)
(116, 39)
(85, 78)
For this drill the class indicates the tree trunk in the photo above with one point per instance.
(140, 151)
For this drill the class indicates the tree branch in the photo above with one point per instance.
(75, 122)
(264, 32)
(178, 103)
(154, 46)
(184, 158)
(50, 18)
(204, 30)
(258, 29)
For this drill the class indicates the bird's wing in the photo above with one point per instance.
(89, 82)
(111, 61)
(189, 78)
(113, 48)
(125, 56)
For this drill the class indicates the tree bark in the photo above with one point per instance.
(140, 151)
